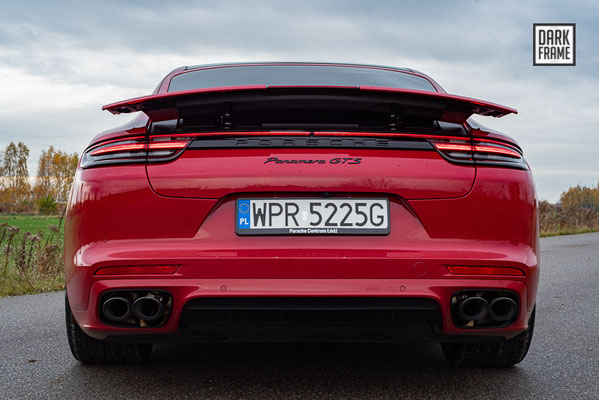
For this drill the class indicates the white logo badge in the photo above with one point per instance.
(554, 44)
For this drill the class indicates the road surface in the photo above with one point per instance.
(563, 361)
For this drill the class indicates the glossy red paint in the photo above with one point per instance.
(181, 213)
(218, 173)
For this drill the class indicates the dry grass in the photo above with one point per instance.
(30, 262)
(555, 220)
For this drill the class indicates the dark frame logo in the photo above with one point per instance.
(554, 44)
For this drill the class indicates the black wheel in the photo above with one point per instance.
(88, 350)
(495, 354)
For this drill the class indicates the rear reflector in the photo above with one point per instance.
(477, 270)
(152, 269)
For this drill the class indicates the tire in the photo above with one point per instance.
(88, 350)
(495, 354)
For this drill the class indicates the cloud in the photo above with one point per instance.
(59, 62)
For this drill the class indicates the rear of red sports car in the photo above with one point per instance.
(292, 202)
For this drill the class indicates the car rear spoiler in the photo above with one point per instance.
(444, 107)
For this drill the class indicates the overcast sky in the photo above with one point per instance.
(61, 61)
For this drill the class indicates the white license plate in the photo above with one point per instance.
(312, 216)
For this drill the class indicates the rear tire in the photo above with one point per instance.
(495, 354)
(88, 350)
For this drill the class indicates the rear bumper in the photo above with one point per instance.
(184, 290)
(494, 225)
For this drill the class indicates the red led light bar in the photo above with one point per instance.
(117, 148)
(167, 145)
(453, 147)
(145, 269)
(496, 150)
(477, 270)
(477, 148)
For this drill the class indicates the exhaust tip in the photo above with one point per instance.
(117, 309)
(473, 308)
(148, 308)
(503, 309)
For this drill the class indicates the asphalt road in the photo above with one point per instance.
(563, 361)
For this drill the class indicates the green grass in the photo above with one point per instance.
(36, 278)
(31, 223)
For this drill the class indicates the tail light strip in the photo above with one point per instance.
(117, 148)
(164, 148)
(477, 149)
(131, 147)
(481, 152)
(133, 151)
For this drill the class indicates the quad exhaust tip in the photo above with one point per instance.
(479, 311)
(502, 309)
(148, 309)
(117, 309)
(473, 309)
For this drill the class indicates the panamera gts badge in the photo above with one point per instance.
(341, 160)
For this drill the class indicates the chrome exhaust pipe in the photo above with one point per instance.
(473, 309)
(148, 308)
(502, 309)
(117, 309)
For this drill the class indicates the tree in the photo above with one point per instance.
(56, 170)
(15, 176)
(43, 181)
(580, 197)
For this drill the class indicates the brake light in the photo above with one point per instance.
(167, 145)
(453, 147)
(131, 270)
(116, 148)
(136, 150)
(478, 270)
(496, 150)
(481, 152)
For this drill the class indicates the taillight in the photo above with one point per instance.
(482, 152)
(135, 150)
(166, 148)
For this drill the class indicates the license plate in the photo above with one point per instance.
(305, 216)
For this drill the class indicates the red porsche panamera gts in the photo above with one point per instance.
(294, 202)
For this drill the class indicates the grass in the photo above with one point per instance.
(31, 251)
(31, 223)
(567, 232)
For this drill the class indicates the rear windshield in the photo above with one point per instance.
(274, 75)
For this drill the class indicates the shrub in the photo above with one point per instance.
(47, 205)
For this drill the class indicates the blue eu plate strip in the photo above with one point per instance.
(243, 214)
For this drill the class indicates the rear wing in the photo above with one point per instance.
(423, 104)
